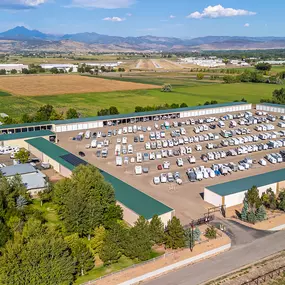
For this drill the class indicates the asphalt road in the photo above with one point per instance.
(243, 253)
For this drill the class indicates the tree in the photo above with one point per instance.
(281, 200)
(139, 245)
(84, 200)
(263, 66)
(21, 202)
(166, 88)
(197, 234)
(200, 76)
(5, 233)
(183, 105)
(261, 214)
(98, 239)
(156, 230)
(26, 118)
(110, 252)
(113, 110)
(211, 232)
(189, 238)
(40, 259)
(251, 217)
(54, 70)
(22, 155)
(72, 114)
(269, 199)
(244, 211)
(174, 234)
(82, 255)
(253, 199)
(3, 72)
(44, 113)
(14, 71)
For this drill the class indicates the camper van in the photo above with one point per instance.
(87, 135)
(119, 161)
(139, 157)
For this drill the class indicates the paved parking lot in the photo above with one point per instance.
(186, 199)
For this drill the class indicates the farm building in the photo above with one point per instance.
(133, 202)
(232, 193)
(269, 107)
(9, 67)
(99, 122)
(19, 139)
(65, 67)
(33, 179)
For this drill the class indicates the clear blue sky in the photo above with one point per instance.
(178, 18)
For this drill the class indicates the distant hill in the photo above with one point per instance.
(23, 39)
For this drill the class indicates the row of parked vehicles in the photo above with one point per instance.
(168, 177)
(8, 149)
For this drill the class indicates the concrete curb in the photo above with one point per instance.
(278, 228)
(177, 265)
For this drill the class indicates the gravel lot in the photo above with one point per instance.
(186, 199)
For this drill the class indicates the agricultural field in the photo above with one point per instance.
(63, 84)
(191, 92)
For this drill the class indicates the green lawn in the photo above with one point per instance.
(97, 272)
(49, 212)
(88, 104)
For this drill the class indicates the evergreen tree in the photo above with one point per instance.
(189, 238)
(244, 211)
(85, 200)
(139, 240)
(156, 229)
(251, 217)
(197, 234)
(98, 239)
(253, 199)
(82, 255)
(261, 214)
(174, 235)
(44, 259)
(211, 232)
(110, 251)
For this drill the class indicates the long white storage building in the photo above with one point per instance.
(101, 121)
(232, 193)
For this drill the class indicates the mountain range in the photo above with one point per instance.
(22, 39)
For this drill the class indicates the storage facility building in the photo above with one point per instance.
(101, 121)
(133, 202)
(232, 193)
(19, 139)
(269, 107)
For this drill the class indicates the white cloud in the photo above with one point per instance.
(129, 14)
(219, 11)
(172, 17)
(104, 4)
(114, 19)
(246, 25)
(20, 4)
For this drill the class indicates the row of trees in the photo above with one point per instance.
(110, 111)
(254, 207)
(160, 107)
(44, 113)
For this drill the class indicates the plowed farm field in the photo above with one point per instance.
(39, 85)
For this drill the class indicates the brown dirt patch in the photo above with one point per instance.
(64, 84)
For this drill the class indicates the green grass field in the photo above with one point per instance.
(88, 104)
